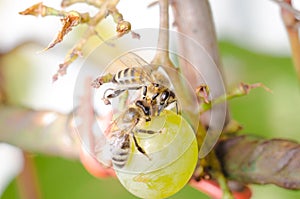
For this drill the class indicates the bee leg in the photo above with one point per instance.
(144, 92)
(147, 131)
(101, 80)
(112, 95)
(176, 106)
(134, 88)
(116, 93)
(154, 96)
(139, 148)
(104, 98)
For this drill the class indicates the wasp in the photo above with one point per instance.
(151, 83)
(123, 132)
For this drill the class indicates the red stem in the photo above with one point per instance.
(27, 181)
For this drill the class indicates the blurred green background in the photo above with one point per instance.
(270, 115)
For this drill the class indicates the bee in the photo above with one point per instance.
(123, 131)
(144, 78)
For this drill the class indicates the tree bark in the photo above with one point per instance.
(254, 160)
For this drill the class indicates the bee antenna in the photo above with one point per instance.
(160, 108)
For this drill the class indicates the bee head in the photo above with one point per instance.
(142, 104)
(167, 97)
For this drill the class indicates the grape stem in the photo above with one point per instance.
(162, 53)
(241, 90)
(28, 190)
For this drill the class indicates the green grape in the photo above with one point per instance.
(172, 158)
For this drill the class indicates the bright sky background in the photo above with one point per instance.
(258, 21)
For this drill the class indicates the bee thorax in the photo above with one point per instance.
(130, 115)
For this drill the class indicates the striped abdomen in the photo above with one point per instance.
(135, 75)
(120, 146)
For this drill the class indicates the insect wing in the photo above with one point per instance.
(132, 60)
(102, 151)
(128, 60)
(161, 77)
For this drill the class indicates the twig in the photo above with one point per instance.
(96, 3)
(162, 53)
(217, 174)
(199, 26)
(193, 18)
(288, 7)
(74, 18)
(290, 23)
(2, 84)
(254, 160)
(38, 131)
(27, 181)
(76, 51)
(289, 17)
(241, 90)
(211, 188)
(69, 20)
(162, 58)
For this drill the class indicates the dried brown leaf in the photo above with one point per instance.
(71, 56)
(246, 88)
(71, 20)
(35, 10)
